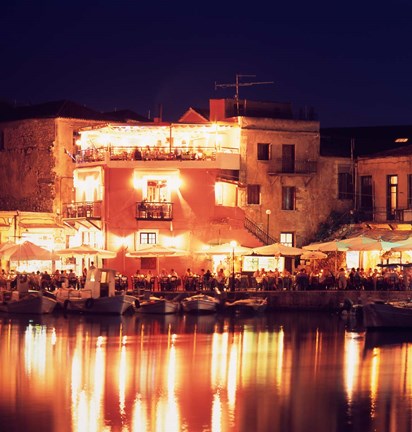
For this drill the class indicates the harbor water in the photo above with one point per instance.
(279, 371)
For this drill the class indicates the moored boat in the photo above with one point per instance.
(156, 305)
(32, 302)
(200, 303)
(390, 315)
(97, 297)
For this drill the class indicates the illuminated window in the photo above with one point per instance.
(263, 151)
(226, 194)
(253, 194)
(288, 197)
(286, 238)
(148, 238)
(157, 190)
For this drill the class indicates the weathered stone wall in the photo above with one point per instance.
(316, 193)
(35, 167)
(27, 166)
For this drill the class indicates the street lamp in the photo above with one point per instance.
(268, 212)
(233, 244)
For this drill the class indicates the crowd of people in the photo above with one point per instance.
(303, 279)
(44, 280)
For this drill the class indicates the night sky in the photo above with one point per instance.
(352, 63)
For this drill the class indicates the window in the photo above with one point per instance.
(1, 140)
(409, 191)
(286, 238)
(345, 183)
(225, 194)
(263, 151)
(253, 194)
(288, 198)
(288, 158)
(148, 238)
(391, 196)
(157, 190)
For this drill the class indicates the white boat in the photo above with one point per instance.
(380, 315)
(156, 305)
(251, 305)
(26, 301)
(32, 302)
(97, 297)
(199, 303)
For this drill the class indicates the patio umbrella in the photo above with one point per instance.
(156, 250)
(84, 250)
(330, 246)
(313, 255)
(278, 249)
(27, 251)
(403, 245)
(361, 243)
(226, 248)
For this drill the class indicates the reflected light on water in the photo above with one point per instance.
(353, 349)
(374, 378)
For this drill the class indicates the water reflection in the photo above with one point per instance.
(278, 372)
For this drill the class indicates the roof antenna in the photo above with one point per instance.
(238, 84)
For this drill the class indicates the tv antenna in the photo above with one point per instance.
(238, 84)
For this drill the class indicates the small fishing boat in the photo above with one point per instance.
(252, 305)
(33, 302)
(387, 315)
(98, 296)
(200, 303)
(26, 301)
(157, 305)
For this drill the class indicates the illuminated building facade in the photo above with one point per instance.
(249, 172)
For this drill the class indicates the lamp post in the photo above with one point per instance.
(268, 212)
(233, 244)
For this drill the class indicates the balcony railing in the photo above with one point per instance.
(150, 154)
(282, 166)
(82, 210)
(381, 214)
(162, 211)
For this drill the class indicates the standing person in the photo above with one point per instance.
(342, 279)
(92, 271)
(302, 280)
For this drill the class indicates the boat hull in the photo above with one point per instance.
(31, 304)
(387, 315)
(114, 305)
(158, 306)
(200, 304)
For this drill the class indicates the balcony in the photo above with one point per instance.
(294, 167)
(162, 157)
(381, 214)
(88, 214)
(158, 211)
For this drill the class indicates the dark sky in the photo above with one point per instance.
(352, 63)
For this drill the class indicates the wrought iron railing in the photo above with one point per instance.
(82, 210)
(154, 210)
(258, 232)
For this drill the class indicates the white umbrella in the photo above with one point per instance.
(330, 246)
(84, 250)
(26, 251)
(278, 249)
(362, 243)
(313, 255)
(403, 245)
(156, 250)
(225, 249)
